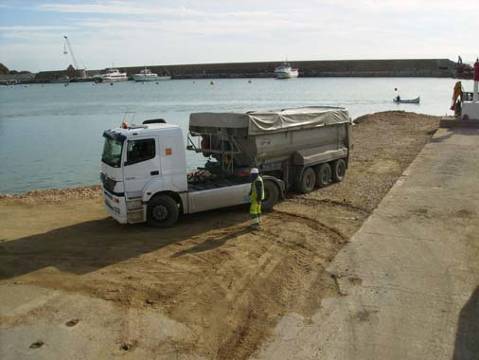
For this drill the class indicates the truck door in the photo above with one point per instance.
(142, 163)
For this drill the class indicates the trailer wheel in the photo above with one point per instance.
(339, 170)
(307, 182)
(162, 211)
(271, 195)
(323, 174)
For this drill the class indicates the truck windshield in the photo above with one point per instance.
(112, 152)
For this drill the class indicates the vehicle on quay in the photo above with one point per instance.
(113, 75)
(144, 170)
(286, 71)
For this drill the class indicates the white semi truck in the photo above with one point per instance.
(144, 170)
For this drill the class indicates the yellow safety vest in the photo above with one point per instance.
(255, 207)
(253, 189)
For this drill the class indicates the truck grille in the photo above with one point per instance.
(108, 183)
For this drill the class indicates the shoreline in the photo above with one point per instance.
(56, 194)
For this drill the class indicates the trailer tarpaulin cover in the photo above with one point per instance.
(260, 122)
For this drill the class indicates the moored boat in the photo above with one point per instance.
(285, 71)
(146, 75)
(112, 75)
(407, 101)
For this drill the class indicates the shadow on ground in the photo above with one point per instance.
(466, 346)
(214, 242)
(88, 246)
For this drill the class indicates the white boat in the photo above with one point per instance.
(145, 75)
(112, 75)
(285, 71)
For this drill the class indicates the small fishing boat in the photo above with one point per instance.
(407, 101)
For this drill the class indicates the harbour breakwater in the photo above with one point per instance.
(332, 68)
(439, 68)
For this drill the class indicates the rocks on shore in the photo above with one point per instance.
(56, 195)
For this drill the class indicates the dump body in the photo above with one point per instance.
(298, 137)
(263, 136)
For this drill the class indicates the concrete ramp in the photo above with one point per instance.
(409, 279)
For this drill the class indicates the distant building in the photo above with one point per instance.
(19, 78)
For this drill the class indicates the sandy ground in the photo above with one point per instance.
(409, 278)
(224, 286)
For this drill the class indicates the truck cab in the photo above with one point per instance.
(144, 177)
(139, 162)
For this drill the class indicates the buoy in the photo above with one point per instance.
(212, 82)
(111, 84)
(249, 81)
(157, 83)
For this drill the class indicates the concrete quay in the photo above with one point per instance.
(409, 279)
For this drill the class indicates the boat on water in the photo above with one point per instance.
(286, 71)
(112, 75)
(147, 75)
(407, 101)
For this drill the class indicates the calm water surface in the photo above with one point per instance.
(51, 135)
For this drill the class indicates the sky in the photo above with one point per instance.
(144, 32)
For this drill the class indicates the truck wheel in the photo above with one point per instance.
(339, 170)
(271, 195)
(162, 211)
(307, 181)
(323, 175)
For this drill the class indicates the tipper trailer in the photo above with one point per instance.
(144, 170)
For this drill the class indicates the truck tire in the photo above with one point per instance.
(307, 181)
(323, 175)
(339, 170)
(162, 211)
(271, 195)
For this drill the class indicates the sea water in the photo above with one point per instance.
(51, 134)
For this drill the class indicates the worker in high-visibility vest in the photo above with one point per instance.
(256, 195)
